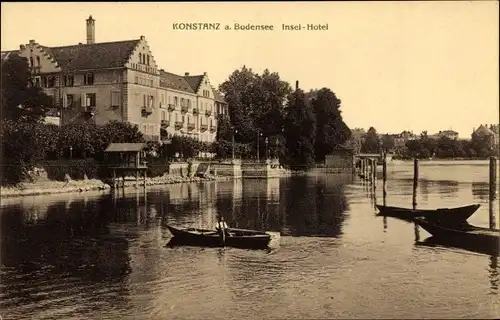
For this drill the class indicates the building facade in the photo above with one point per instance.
(101, 82)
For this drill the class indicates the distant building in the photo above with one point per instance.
(400, 139)
(101, 82)
(492, 132)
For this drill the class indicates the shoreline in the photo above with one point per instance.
(50, 187)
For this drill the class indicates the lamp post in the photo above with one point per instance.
(234, 133)
(267, 154)
(259, 134)
(70, 152)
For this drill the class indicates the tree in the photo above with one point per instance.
(371, 142)
(21, 101)
(255, 103)
(299, 131)
(387, 142)
(22, 149)
(331, 131)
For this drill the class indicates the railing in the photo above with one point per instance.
(184, 109)
(146, 110)
(213, 128)
(195, 111)
(90, 110)
(208, 113)
(165, 123)
(179, 124)
(35, 70)
(204, 127)
(190, 126)
(171, 107)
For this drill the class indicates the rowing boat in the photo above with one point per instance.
(237, 238)
(441, 215)
(465, 235)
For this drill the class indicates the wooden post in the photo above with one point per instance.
(366, 169)
(374, 177)
(384, 177)
(493, 190)
(137, 178)
(145, 177)
(415, 182)
(114, 179)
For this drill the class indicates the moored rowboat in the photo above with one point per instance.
(237, 238)
(441, 215)
(466, 235)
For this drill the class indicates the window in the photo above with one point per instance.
(31, 62)
(176, 101)
(182, 102)
(38, 60)
(163, 115)
(151, 101)
(136, 80)
(44, 82)
(69, 80)
(151, 82)
(90, 99)
(36, 82)
(183, 119)
(115, 98)
(51, 82)
(148, 59)
(144, 100)
(88, 79)
(70, 100)
(189, 103)
(140, 57)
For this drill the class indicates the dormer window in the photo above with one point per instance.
(147, 59)
(38, 60)
(88, 79)
(31, 62)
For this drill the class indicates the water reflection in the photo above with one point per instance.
(70, 244)
(481, 190)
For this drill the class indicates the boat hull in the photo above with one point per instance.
(442, 216)
(237, 238)
(469, 236)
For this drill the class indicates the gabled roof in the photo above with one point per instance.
(194, 81)
(173, 81)
(5, 54)
(125, 147)
(484, 130)
(93, 56)
(218, 96)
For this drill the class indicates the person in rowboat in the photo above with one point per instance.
(222, 226)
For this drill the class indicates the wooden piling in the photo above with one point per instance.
(374, 173)
(114, 179)
(415, 182)
(384, 177)
(493, 190)
(367, 170)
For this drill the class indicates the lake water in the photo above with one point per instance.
(96, 255)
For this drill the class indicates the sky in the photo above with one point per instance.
(395, 65)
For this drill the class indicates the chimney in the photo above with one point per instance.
(32, 41)
(186, 74)
(143, 38)
(22, 47)
(297, 85)
(90, 30)
(204, 73)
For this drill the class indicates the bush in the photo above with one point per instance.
(57, 169)
(157, 166)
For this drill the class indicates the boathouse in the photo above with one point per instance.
(126, 158)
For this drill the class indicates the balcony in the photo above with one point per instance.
(146, 111)
(190, 126)
(208, 113)
(165, 123)
(196, 111)
(171, 107)
(213, 129)
(178, 125)
(90, 110)
(35, 70)
(204, 127)
(184, 109)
